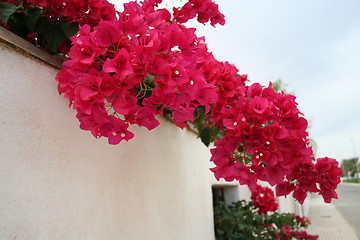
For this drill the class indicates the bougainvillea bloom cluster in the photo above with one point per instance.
(129, 70)
(57, 19)
(129, 67)
(81, 11)
(265, 138)
(287, 232)
(147, 63)
(264, 199)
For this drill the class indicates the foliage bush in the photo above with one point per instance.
(257, 219)
(352, 180)
(242, 221)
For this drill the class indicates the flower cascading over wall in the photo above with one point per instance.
(48, 24)
(142, 62)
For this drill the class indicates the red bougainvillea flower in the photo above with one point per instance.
(132, 69)
(264, 199)
(304, 235)
(50, 20)
(205, 10)
(328, 177)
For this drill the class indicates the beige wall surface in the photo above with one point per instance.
(58, 182)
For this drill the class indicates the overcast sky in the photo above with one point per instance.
(313, 46)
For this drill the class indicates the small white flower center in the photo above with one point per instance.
(176, 48)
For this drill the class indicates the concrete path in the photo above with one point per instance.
(327, 222)
(348, 204)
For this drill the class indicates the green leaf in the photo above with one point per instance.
(205, 136)
(6, 10)
(17, 25)
(215, 133)
(69, 29)
(32, 17)
(53, 33)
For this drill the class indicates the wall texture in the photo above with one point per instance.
(58, 182)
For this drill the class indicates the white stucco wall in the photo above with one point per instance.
(58, 182)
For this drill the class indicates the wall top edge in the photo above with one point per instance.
(223, 183)
(26, 48)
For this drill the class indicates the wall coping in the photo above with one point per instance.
(26, 48)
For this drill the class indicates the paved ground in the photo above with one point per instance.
(348, 204)
(327, 222)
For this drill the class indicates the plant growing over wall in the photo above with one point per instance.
(131, 66)
(255, 220)
(50, 24)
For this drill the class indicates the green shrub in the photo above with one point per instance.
(241, 220)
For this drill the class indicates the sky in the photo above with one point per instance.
(312, 46)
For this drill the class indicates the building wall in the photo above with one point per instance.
(58, 182)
